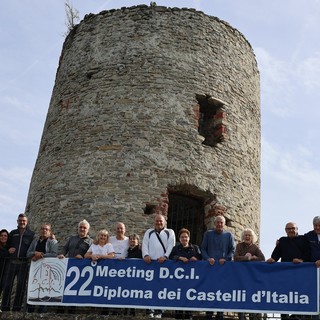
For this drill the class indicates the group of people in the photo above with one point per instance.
(158, 243)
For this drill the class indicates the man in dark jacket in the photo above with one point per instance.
(77, 245)
(19, 242)
(313, 237)
(292, 248)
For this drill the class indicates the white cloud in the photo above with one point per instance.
(22, 102)
(14, 184)
(17, 175)
(287, 84)
(276, 87)
(309, 72)
(290, 189)
(274, 70)
(20, 75)
(290, 167)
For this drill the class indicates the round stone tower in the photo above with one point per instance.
(154, 109)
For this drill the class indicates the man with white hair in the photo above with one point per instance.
(217, 245)
(77, 245)
(313, 238)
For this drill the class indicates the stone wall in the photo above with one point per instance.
(122, 125)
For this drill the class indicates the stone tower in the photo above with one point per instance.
(152, 108)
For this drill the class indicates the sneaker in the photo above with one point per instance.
(150, 315)
(159, 315)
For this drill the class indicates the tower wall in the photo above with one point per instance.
(122, 125)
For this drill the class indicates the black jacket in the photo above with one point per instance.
(20, 242)
(292, 248)
(314, 243)
(191, 251)
(135, 252)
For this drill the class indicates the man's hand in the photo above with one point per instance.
(296, 260)
(162, 259)
(37, 255)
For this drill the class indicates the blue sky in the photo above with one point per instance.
(286, 41)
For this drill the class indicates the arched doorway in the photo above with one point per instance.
(186, 212)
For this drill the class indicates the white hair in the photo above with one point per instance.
(254, 236)
(316, 220)
(220, 218)
(84, 221)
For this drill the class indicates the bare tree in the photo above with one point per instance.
(72, 16)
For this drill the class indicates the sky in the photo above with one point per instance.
(285, 38)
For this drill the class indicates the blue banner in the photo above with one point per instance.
(234, 286)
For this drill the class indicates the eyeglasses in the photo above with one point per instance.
(293, 228)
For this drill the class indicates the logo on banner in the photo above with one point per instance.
(46, 281)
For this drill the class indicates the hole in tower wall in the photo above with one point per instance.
(211, 120)
(186, 212)
(149, 209)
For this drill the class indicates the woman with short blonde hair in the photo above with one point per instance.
(102, 248)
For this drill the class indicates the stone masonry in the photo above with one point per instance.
(125, 124)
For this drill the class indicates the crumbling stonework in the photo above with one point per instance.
(122, 129)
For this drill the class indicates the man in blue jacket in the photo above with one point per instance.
(217, 245)
(313, 238)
